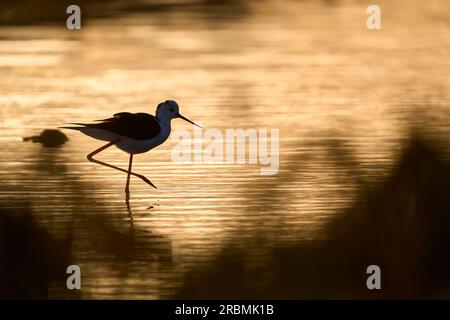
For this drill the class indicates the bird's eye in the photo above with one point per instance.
(172, 110)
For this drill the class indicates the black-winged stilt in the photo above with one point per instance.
(133, 133)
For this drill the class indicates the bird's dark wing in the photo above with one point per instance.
(139, 126)
(117, 116)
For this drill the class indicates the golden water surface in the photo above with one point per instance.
(344, 98)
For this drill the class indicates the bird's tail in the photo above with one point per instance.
(82, 126)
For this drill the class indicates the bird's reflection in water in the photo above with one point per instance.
(128, 206)
(67, 224)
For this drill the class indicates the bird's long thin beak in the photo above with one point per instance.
(186, 119)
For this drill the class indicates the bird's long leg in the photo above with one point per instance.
(93, 153)
(127, 187)
(127, 190)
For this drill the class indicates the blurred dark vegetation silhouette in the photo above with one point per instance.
(23, 12)
(401, 225)
(30, 257)
(75, 228)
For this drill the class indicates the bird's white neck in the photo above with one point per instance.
(163, 120)
(165, 126)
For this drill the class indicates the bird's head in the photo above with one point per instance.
(169, 110)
